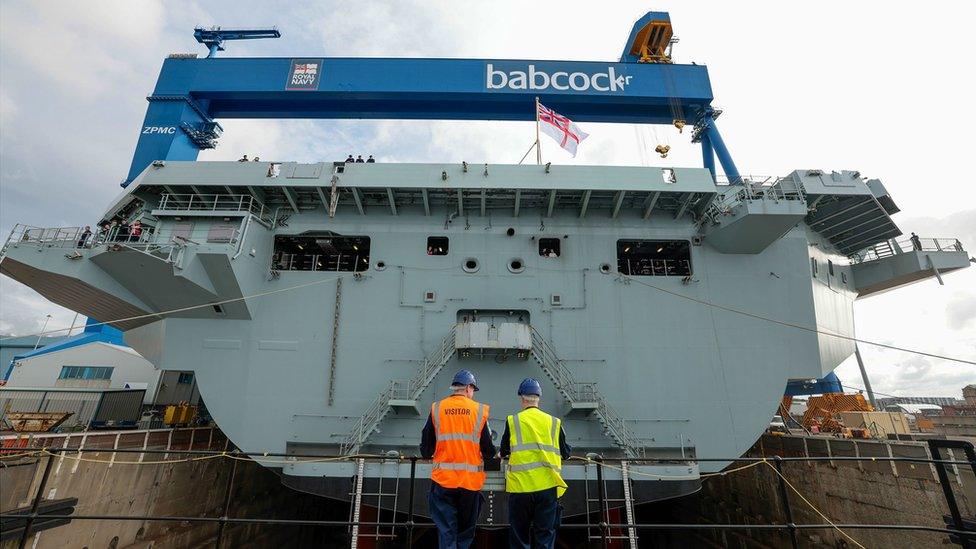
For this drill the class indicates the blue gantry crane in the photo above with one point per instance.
(644, 87)
(214, 37)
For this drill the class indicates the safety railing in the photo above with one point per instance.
(655, 267)
(23, 523)
(774, 189)
(402, 390)
(213, 203)
(574, 391)
(751, 188)
(904, 244)
(145, 238)
(722, 179)
(319, 262)
(52, 237)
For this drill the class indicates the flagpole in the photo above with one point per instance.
(538, 146)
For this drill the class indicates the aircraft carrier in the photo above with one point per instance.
(324, 306)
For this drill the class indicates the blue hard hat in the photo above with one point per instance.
(530, 386)
(464, 377)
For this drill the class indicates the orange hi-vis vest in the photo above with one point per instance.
(458, 422)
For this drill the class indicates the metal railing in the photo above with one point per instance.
(775, 189)
(319, 262)
(22, 523)
(213, 203)
(574, 391)
(896, 246)
(150, 239)
(656, 267)
(400, 390)
(52, 237)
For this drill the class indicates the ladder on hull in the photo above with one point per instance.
(400, 394)
(583, 397)
(373, 497)
(625, 500)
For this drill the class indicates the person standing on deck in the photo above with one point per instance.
(85, 237)
(457, 437)
(535, 445)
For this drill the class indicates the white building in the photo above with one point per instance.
(99, 359)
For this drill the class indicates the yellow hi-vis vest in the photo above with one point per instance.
(534, 464)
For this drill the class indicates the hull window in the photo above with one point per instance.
(550, 247)
(437, 245)
(321, 253)
(654, 257)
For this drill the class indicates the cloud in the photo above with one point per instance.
(961, 311)
(7, 106)
(82, 71)
(961, 225)
(23, 311)
(64, 53)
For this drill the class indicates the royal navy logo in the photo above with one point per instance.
(304, 74)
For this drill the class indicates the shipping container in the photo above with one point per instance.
(89, 408)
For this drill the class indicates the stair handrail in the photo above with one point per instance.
(380, 407)
(615, 426)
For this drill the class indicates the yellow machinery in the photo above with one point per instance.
(652, 44)
(179, 414)
(652, 41)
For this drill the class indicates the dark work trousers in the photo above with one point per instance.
(534, 517)
(455, 511)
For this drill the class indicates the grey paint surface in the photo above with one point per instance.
(684, 375)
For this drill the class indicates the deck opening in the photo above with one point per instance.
(550, 247)
(321, 253)
(654, 257)
(437, 245)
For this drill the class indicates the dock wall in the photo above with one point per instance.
(105, 485)
(865, 492)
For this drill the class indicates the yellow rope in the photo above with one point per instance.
(805, 500)
(149, 462)
(357, 456)
(18, 456)
(76, 457)
(662, 477)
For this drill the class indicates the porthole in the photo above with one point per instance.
(605, 268)
(380, 265)
(470, 265)
(516, 265)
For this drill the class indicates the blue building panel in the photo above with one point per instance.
(94, 332)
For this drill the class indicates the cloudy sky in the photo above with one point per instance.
(830, 85)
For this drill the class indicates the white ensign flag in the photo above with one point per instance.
(560, 128)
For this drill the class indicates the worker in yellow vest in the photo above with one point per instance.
(535, 445)
(458, 440)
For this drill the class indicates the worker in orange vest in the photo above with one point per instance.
(458, 440)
